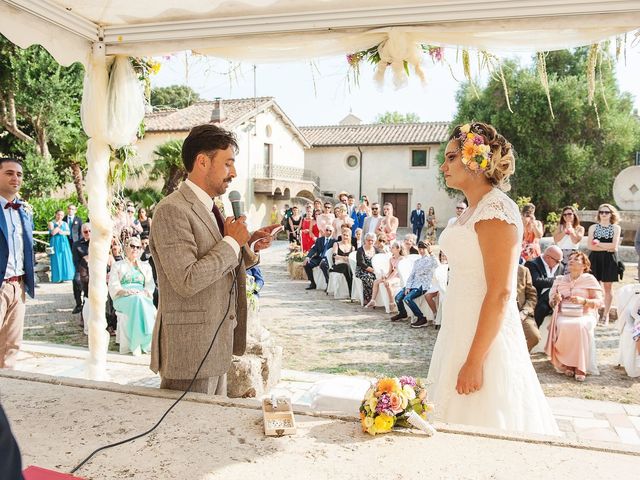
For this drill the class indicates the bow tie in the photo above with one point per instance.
(14, 205)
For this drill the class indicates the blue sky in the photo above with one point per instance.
(319, 92)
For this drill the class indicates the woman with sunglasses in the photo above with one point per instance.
(569, 232)
(131, 287)
(603, 241)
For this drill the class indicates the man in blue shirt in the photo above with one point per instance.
(418, 283)
(16, 261)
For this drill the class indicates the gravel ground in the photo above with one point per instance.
(321, 334)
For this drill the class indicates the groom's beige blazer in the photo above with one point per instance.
(199, 275)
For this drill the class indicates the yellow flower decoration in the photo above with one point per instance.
(383, 423)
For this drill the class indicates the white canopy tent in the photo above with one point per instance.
(94, 31)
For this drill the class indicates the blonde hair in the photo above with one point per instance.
(502, 163)
(615, 216)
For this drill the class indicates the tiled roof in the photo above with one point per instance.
(377, 134)
(199, 113)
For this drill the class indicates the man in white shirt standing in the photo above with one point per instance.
(372, 221)
(16, 261)
(460, 208)
(201, 259)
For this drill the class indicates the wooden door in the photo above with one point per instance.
(400, 202)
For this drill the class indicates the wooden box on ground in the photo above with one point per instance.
(278, 420)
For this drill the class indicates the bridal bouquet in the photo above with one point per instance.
(396, 401)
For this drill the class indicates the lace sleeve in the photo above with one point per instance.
(500, 207)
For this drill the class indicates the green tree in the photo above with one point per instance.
(168, 165)
(568, 159)
(397, 117)
(40, 177)
(40, 111)
(39, 99)
(175, 96)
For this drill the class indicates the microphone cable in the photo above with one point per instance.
(140, 435)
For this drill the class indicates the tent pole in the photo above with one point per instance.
(94, 119)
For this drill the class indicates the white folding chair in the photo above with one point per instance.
(329, 257)
(356, 284)
(338, 286)
(380, 263)
(318, 276)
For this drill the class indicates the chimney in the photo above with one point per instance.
(217, 114)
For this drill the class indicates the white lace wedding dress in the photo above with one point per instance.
(511, 397)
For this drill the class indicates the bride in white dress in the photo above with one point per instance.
(480, 372)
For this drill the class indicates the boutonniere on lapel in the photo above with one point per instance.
(27, 207)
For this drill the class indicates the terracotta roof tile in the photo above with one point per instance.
(200, 113)
(377, 134)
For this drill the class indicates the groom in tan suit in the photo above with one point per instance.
(201, 260)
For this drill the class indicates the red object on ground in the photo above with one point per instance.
(37, 473)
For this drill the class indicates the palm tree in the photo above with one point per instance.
(168, 165)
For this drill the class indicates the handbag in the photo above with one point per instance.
(620, 269)
(569, 309)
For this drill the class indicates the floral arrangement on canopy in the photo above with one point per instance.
(399, 52)
(396, 401)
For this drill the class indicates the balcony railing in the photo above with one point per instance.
(281, 172)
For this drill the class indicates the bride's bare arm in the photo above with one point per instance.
(498, 242)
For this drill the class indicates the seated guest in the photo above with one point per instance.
(345, 231)
(131, 287)
(258, 279)
(382, 243)
(575, 298)
(628, 324)
(418, 283)
(409, 244)
(391, 276)
(341, 250)
(317, 256)
(543, 270)
(358, 237)
(527, 298)
(364, 266)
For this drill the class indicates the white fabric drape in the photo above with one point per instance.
(112, 109)
(94, 121)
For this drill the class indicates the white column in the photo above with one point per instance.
(94, 120)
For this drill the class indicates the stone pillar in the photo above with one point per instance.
(258, 370)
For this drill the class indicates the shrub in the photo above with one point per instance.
(44, 210)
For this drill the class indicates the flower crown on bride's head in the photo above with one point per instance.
(475, 154)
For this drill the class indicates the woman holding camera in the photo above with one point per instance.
(568, 233)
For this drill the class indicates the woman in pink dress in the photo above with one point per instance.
(306, 229)
(391, 279)
(575, 298)
(389, 223)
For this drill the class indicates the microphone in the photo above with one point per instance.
(237, 205)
